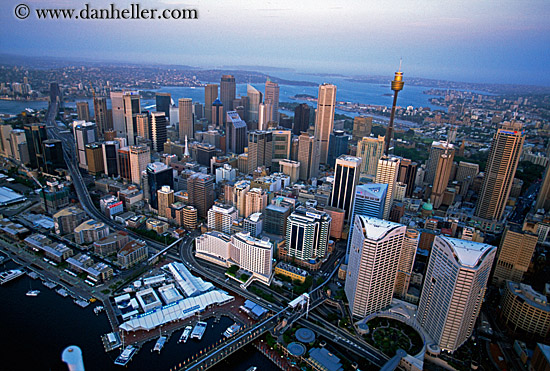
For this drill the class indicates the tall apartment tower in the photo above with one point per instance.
(117, 111)
(210, 95)
(500, 170)
(372, 265)
(158, 131)
(200, 187)
(260, 149)
(143, 127)
(272, 95)
(240, 189)
(83, 111)
(165, 196)
(301, 119)
(406, 262)
(386, 172)
(308, 157)
(221, 217)
(132, 107)
(346, 178)
(436, 150)
(441, 179)
(543, 198)
(370, 150)
(139, 157)
(454, 288)
(255, 201)
(185, 106)
(514, 255)
(307, 232)
(324, 119)
(163, 103)
(100, 115)
(228, 92)
(235, 135)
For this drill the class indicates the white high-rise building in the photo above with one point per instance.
(84, 133)
(372, 266)
(253, 255)
(307, 231)
(214, 247)
(117, 110)
(225, 173)
(386, 172)
(406, 262)
(140, 156)
(132, 107)
(221, 217)
(454, 288)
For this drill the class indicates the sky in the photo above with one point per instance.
(463, 40)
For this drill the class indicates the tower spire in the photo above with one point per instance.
(396, 86)
(186, 152)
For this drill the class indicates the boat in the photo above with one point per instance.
(12, 274)
(185, 334)
(160, 344)
(199, 330)
(98, 309)
(33, 292)
(232, 330)
(126, 355)
(253, 368)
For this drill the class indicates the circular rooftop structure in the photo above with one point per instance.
(296, 349)
(305, 335)
(427, 206)
(363, 328)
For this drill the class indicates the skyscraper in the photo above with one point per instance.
(265, 111)
(500, 171)
(228, 92)
(254, 100)
(324, 119)
(407, 175)
(441, 180)
(84, 133)
(260, 149)
(272, 96)
(132, 107)
(94, 153)
(217, 114)
(124, 167)
(158, 175)
(406, 262)
(35, 134)
(436, 150)
(143, 127)
(200, 188)
(338, 145)
(163, 102)
(83, 111)
(255, 201)
(543, 198)
(372, 265)
(386, 172)
(139, 157)
(362, 127)
(370, 150)
(236, 138)
(53, 155)
(346, 178)
(165, 196)
(308, 157)
(281, 147)
(307, 232)
(185, 106)
(514, 254)
(221, 217)
(210, 95)
(301, 118)
(110, 158)
(453, 290)
(158, 131)
(117, 111)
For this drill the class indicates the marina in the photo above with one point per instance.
(198, 330)
(10, 275)
(185, 334)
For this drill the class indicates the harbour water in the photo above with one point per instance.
(37, 329)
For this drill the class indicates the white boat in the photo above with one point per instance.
(253, 368)
(199, 330)
(160, 344)
(185, 335)
(232, 330)
(33, 292)
(7, 276)
(98, 309)
(126, 355)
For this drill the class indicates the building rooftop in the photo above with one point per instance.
(376, 229)
(7, 196)
(468, 253)
(528, 294)
(68, 211)
(374, 190)
(89, 225)
(131, 246)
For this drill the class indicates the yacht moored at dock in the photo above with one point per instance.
(12, 274)
(232, 330)
(33, 293)
(126, 355)
(199, 330)
(98, 309)
(185, 335)
(159, 344)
